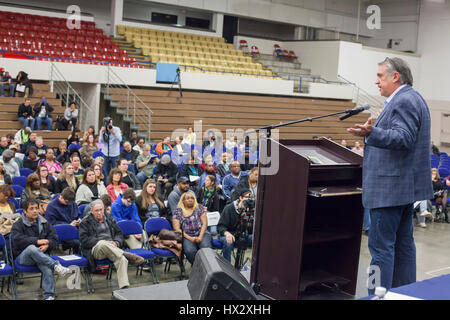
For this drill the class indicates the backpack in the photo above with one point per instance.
(59, 123)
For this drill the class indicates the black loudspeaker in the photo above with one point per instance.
(214, 278)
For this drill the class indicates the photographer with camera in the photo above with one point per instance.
(236, 224)
(110, 137)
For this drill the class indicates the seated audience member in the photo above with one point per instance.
(134, 139)
(223, 168)
(247, 165)
(10, 138)
(3, 144)
(148, 203)
(30, 143)
(139, 146)
(207, 159)
(73, 137)
(174, 197)
(54, 167)
(344, 144)
(208, 197)
(46, 181)
(209, 170)
(22, 80)
(41, 147)
(43, 114)
(128, 177)
(64, 210)
(62, 154)
(100, 161)
(89, 188)
(8, 215)
(190, 219)
(22, 135)
(101, 238)
(6, 81)
(32, 160)
(5, 178)
(88, 132)
(17, 156)
(190, 171)
(357, 148)
(249, 182)
(33, 241)
(78, 170)
(99, 174)
(210, 140)
(66, 179)
(231, 143)
(166, 175)
(231, 180)
(115, 185)
(163, 146)
(9, 164)
(107, 202)
(435, 149)
(145, 163)
(87, 151)
(130, 155)
(124, 208)
(228, 223)
(190, 137)
(440, 197)
(25, 114)
(70, 117)
(35, 190)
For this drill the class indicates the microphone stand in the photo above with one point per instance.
(268, 129)
(179, 83)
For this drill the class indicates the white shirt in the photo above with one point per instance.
(393, 94)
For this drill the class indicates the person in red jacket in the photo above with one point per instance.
(115, 184)
(163, 146)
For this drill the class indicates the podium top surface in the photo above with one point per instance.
(323, 152)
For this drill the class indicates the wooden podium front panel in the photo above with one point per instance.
(277, 218)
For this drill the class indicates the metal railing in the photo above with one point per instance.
(315, 79)
(362, 97)
(68, 94)
(132, 102)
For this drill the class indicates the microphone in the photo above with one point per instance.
(352, 112)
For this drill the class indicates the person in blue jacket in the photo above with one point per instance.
(64, 210)
(124, 208)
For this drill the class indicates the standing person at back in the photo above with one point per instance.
(396, 172)
(110, 137)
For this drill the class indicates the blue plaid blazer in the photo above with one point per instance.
(396, 167)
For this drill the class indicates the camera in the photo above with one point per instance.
(106, 122)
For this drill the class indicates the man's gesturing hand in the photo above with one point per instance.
(362, 130)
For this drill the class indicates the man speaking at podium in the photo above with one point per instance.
(396, 172)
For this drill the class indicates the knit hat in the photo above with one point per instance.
(8, 154)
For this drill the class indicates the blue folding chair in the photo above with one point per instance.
(81, 210)
(17, 189)
(17, 202)
(7, 272)
(130, 227)
(21, 181)
(67, 232)
(154, 226)
(25, 172)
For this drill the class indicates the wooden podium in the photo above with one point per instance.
(308, 220)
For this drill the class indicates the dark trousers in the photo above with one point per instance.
(391, 244)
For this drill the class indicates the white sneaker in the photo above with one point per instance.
(422, 225)
(62, 271)
(426, 214)
(50, 298)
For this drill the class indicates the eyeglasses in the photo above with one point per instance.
(129, 200)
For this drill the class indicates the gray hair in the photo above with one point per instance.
(95, 202)
(145, 146)
(400, 66)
